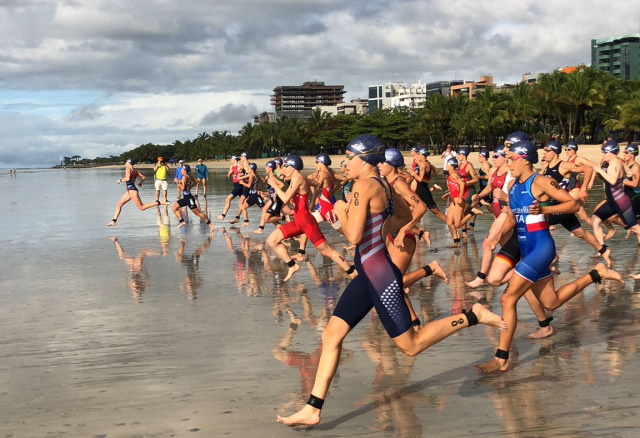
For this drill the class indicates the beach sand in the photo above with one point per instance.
(147, 330)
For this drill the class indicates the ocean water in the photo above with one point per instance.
(145, 329)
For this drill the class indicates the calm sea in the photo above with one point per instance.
(145, 329)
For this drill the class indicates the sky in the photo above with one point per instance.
(100, 77)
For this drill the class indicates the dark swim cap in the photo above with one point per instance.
(393, 157)
(424, 152)
(278, 161)
(632, 149)
(253, 166)
(323, 158)
(186, 168)
(294, 161)
(572, 145)
(464, 151)
(526, 150)
(501, 150)
(270, 164)
(245, 154)
(554, 145)
(131, 161)
(611, 146)
(484, 153)
(516, 137)
(452, 162)
(368, 148)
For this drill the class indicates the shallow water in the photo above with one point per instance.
(149, 330)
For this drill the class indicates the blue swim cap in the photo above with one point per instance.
(526, 150)
(572, 145)
(278, 161)
(270, 164)
(501, 150)
(464, 151)
(554, 145)
(245, 154)
(131, 161)
(294, 161)
(253, 166)
(611, 147)
(393, 157)
(368, 148)
(186, 168)
(323, 158)
(516, 137)
(452, 162)
(632, 149)
(414, 149)
(484, 153)
(424, 152)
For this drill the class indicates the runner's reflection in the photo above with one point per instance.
(139, 278)
(193, 280)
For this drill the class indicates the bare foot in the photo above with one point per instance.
(182, 224)
(541, 333)
(234, 221)
(426, 236)
(477, 211)
(552, 227)
(353, 275)
(292, 270)
(628, 233)
(493, 366)
(220, 217)
(307, 416)
(476, 282)
(437, 187)
(608, 274)
(607, 257)
(258, 231)
(437, 270)
(487, 317)
(610, 233)
(211, 226)
(299, 257)
(112, 223)
(245, 224)
(454, 245)
(635, 276)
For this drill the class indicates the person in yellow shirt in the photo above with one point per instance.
(161, 170)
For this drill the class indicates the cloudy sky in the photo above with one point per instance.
(99, 77)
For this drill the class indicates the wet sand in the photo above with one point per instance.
(149, 330)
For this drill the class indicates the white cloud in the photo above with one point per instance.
(116, 73)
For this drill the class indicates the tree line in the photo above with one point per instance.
(585, 105)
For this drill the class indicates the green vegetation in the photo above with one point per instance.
(586, 105)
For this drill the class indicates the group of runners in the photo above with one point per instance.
(377, 205)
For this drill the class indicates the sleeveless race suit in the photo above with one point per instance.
(303, 222)
(379, 282)
(617, 203)
(537, 248)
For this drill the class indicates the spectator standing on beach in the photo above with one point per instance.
(202, 177)
(161, 172)
(131, 193)
(448, 153)
(178, 176)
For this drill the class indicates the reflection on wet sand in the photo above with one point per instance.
(139, 277)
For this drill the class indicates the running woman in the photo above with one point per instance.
(188, 200)
(235, 172)
(303, 222)
(131, 191)
(537, 249)
(379, 283)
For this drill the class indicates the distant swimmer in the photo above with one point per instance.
(131, 194)
(187, 199)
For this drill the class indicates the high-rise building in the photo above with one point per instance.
(471, 88)
(619, 56)
(299, 101)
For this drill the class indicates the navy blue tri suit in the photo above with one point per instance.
(379, 281)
